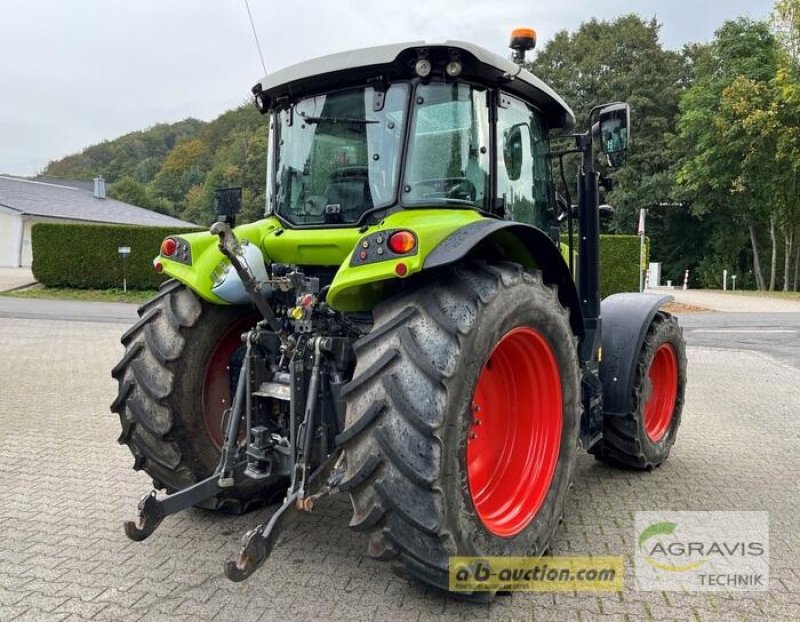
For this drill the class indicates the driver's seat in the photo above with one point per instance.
(349, 188)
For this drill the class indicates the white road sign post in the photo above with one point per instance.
(124, 253)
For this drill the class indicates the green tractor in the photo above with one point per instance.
(404, 325)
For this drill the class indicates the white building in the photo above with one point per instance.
(24, 202)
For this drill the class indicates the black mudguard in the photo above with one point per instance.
(517, 242)
(626, 318)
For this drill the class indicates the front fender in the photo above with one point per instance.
(626, 318)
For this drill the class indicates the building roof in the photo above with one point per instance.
(303, 78)
(36, 198)
(72, 183)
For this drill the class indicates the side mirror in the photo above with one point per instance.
(513, 152)
(227, 203)
(606, 210)
(614, 128)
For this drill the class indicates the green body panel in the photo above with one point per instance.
(354, 288)
(205, 257)
(359, 288)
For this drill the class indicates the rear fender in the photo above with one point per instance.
(511, 241)
(626, 318)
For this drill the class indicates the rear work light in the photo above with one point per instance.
(402, 242)
(168, 247)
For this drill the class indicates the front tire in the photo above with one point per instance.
(426, 482)
(643, 438)
(174, 384)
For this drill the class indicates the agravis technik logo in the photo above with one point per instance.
(702, 551)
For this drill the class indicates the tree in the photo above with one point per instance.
(623, 60)
(130, 191)
(117, 158)
(134, 192)
(724, 170)
(785, 22)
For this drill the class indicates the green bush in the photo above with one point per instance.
(619, 263)
(86, 256)
(619, 260)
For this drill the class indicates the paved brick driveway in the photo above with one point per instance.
(66, 486)
(732, 302)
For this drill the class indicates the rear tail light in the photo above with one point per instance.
(168, 247)
(402, 242)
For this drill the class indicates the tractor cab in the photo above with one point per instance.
(359, 135)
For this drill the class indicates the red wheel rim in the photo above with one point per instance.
(660, 405)
(514, 437)
(217, 388)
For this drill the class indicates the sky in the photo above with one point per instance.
(75, 73)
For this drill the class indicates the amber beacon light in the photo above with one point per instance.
(522, 41)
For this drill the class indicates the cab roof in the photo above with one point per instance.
(396, 62)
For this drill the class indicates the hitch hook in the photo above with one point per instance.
(257, 544)
(149, 517)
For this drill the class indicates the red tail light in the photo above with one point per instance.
(402, 242)
(168, 247)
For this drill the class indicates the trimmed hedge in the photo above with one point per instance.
(86, 256)
(619, 261)
(619, 258)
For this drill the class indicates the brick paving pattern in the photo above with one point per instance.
(67, 486)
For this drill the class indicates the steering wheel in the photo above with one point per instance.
(460, 188)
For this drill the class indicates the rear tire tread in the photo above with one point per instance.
(401, 503)
(153, 362)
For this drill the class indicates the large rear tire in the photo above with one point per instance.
(174, 384)
(643, 438)
(426, 478)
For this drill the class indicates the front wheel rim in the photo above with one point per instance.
(660, 405)
(514, 437)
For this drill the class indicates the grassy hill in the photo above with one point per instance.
(174, 167)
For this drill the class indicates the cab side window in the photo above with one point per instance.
(523, 171)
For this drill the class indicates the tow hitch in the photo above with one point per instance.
(304, 376)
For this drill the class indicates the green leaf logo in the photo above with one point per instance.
(664, 529)
(656, 529)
